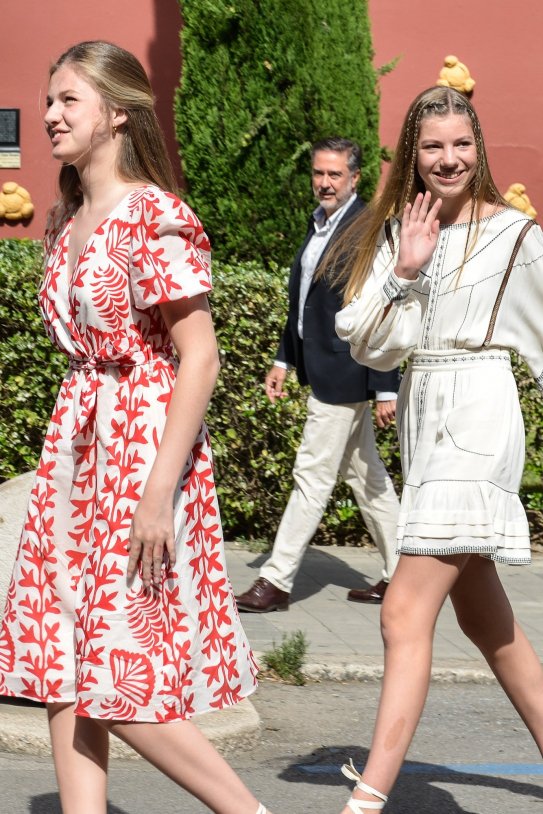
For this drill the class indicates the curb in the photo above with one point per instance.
(24, 730)
(359, 672)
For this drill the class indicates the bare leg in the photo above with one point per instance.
(182, 753)
(412, 603)
(486, 617)
(80, 754)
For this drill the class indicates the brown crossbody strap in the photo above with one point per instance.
(388, 235)
(524, 231)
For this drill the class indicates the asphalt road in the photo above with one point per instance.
(471, 755)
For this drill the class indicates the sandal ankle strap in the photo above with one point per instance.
(361, 806)
(357, 806)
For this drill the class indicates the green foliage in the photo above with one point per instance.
(387, 154)
(532, 411)
(30, 369)
(287, 659)
(260, 82)
(390, 66)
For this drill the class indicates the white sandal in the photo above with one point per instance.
(261, 809)
(358, 806)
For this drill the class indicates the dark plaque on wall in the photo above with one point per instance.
(10, 145)
(9, 128)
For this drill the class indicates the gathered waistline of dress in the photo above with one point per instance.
(99, 361)
(458, 358)
(109, 358)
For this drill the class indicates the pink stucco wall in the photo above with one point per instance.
(38, 33)
(500, 42)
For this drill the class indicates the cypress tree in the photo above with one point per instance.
(261, 80)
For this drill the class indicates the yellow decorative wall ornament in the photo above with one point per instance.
(516, 196)
(15, 203)
(454, 74)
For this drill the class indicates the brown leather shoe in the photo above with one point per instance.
(374, 594)
(262, 597)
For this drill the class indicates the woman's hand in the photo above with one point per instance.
(418, 236)
(150, 534)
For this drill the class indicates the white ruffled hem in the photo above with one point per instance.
(444, 518)
(507, 557)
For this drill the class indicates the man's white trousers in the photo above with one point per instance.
(336, 438)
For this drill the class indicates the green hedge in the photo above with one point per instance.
(260, 82)
(254, 442)
(30, 369)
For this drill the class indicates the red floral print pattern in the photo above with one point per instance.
(74, 628)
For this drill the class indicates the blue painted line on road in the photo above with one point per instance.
(498, 769)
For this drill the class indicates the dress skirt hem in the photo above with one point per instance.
(151, 716)
(518, 558)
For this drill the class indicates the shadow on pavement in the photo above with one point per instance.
(318, 570)
(9, 701)
(50, 804)
(414, 792)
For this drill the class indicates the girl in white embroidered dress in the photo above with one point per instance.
(122, 548)
(423, 289)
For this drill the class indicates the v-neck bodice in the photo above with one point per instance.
(123, 272)
(99, 227)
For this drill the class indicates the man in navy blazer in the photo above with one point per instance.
(338, 434)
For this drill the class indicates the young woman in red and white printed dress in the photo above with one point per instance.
(120, 615)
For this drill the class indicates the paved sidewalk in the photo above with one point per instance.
(344, 638)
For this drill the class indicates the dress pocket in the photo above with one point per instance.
(475, 420)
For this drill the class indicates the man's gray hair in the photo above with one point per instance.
(341, 145)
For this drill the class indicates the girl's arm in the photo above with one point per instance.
(382, 325)
(191, 329)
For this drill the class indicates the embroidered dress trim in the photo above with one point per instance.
(443, 551)
(437, 264)
(396, 290)
(445, 358)
(474, 222)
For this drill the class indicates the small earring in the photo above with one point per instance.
(114, 130)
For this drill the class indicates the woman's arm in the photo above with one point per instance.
(383, 324)
(191, 329)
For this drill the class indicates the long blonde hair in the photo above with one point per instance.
(354, 252)
(121, 81)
